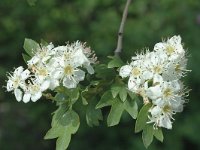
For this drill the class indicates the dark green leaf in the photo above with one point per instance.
(158, 134)
(115, 113)
(106, 100)
(115, 89)
(30, 46)
(123, 94)
(103, 72)
(142, 118)
(115, 62)
(93, 115)
(147, 135)
(131, 107)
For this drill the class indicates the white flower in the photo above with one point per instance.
(69, 74)
(172, 47)
(42, 54)
(34, 91)
(161, 116)
(16, 82)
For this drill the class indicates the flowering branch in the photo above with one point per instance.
(118, 50)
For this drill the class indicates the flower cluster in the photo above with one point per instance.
(156, 77)
(49, 68)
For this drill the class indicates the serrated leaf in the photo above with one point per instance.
(131, 107)
(123, 94)
(93, 116)
(26, 57)
(115, 62)
(30, 46)
(158, 134)
(132, 95)
(142, 118)
(115, 113)
(115, 89)
(106, 100)
(147, 135)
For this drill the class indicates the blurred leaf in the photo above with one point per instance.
(142, 118)
(30, 46)
(93, 115)
(115, 113)
(115, 62)
(26, 57)
(147, 135)
(158, 134)
(31, 2)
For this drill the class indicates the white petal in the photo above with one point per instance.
(25, 74)
(36, 96)
(155, 111)
(9, 86)
(18, 71)
(157, 79)
(79, 75)
(154, 92)
(57, 73)
(90, 69)
(54, 83)
(159, 46)
(18, 94)
(125, 71)
(26, 97)
(45, 85)
(166, 122)
(69, 83)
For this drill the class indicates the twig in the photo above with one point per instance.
(118, 50)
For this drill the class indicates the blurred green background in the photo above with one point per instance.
(22, 126)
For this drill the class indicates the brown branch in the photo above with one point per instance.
(118, 50)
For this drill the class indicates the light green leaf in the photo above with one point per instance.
(43, 42)
(132, 95)
(93, 115)
(30, 46)
(131, 107)
(106, 100)
(73, 94)
(142, 118)
(158, 134)
(26, 57)
(123, 94)
(115, 89)
(115, 62)
(147, 135)
(115, 113)
(63, 141)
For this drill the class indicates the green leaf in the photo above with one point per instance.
(147, 135)
(43, 42)
(93, 115)
(63, 141)
(115, 113)
(115, 62)
(103, 72)
(30, 46)
(73, 94)
(26, 57)
(64, 124)
(123, 94)
(115, 89)
(31, 2)
(132, 95)
(106, 100)
(131, 107)
(158, 134)
(142, 118)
